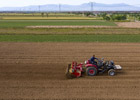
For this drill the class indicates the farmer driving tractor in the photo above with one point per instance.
(92, 60)
(92, 68)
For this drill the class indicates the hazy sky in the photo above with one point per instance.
(18, 3)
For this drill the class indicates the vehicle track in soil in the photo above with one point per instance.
(31, 71)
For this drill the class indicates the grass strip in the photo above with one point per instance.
(70, 38)
(24, 23)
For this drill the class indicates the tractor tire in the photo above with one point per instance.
(68, 74)
(111, 72)
(91, 71)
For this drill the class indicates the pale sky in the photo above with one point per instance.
(20, 3)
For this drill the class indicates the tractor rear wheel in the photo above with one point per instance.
(91, 71)
(111, 72)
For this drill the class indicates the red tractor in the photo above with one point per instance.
(77, 70)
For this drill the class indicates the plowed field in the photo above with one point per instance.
(35, 71)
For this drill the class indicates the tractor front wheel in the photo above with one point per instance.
(91, 71)
(111, 72)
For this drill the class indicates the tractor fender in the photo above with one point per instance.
(91, 65)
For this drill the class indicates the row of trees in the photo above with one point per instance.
(119, 17)
(116, 16)
(106, 16)
(113, 16)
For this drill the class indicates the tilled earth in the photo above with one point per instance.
(35, 71)
(129, 24)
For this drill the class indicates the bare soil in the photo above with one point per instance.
(129, 24)
(78, 26)
(35, 71)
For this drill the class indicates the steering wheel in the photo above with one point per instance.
(100, 62)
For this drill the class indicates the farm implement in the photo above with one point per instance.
(75, 70)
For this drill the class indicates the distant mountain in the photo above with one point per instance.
(82, 7)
